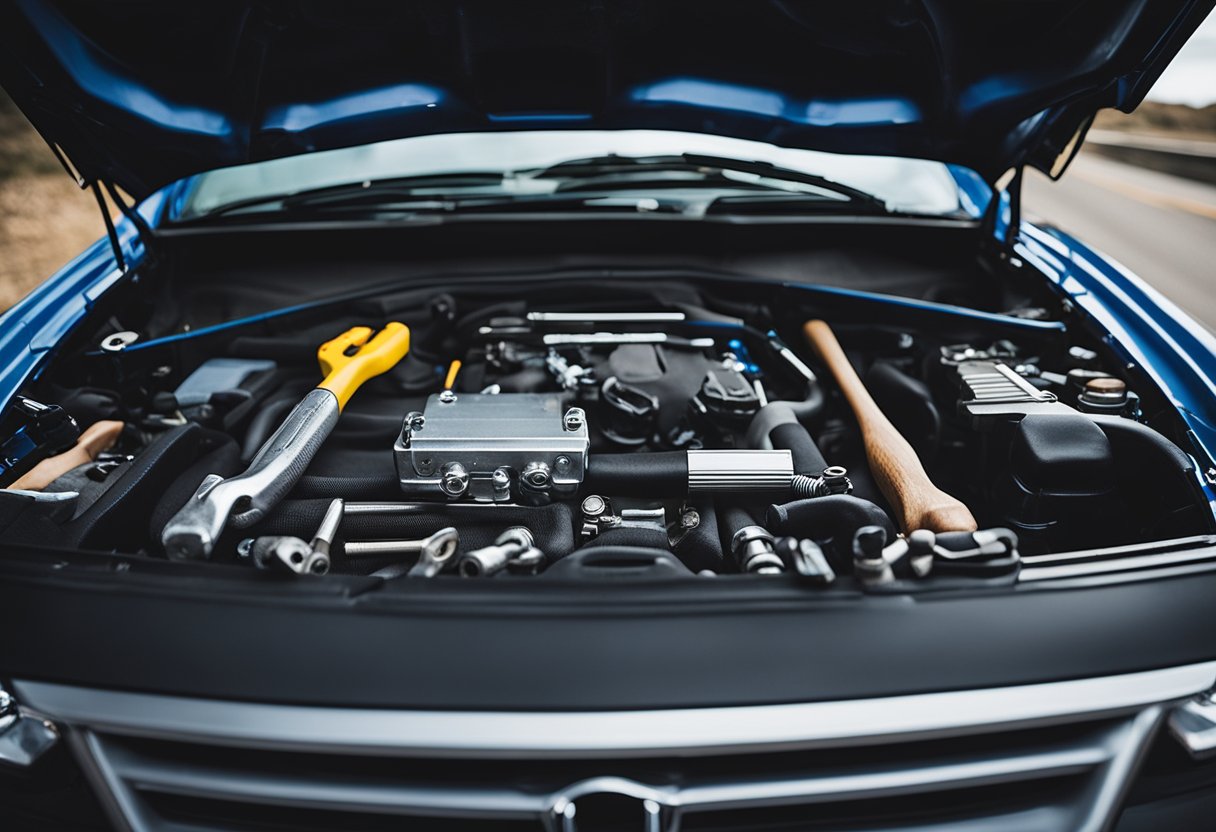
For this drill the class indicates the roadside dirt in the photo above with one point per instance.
(45, 220)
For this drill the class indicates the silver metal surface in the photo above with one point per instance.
(753, 549)
(23, 738)
(284, 552)
(514, 543)
(1199, 550)
(592, 734)
(193, 531)
(434, 552)
(739, 470)
(477, 440)
(118, 341)
(833, 480)
(1100, 757)
(604, 317)
(1193, 724)
(566, 339)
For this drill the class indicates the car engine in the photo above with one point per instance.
(675, 432)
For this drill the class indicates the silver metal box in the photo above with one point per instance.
(493, 448)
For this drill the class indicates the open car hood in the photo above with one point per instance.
(143, 93)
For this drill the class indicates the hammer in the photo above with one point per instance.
(918, 503)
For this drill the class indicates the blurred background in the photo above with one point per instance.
(1143, 191)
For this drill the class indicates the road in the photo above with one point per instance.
(1161, 227)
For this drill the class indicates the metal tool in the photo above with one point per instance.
(515, 546)
(434, 551)
(247, 497)
(598, 516)
(753, 549)
(292, 553)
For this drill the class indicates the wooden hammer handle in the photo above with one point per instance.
(896, 468)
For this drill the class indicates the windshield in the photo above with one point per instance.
(902, 185)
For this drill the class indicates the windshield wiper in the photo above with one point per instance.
(374, 193)
(690, 168)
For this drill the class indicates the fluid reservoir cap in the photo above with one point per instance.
(1103, 394)
(1108, 386)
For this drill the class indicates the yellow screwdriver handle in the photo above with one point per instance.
(344, 374)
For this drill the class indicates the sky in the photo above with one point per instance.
(1191, 77)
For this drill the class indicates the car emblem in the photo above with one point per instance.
(609, 804)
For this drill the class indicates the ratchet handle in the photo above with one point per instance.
(345, 371)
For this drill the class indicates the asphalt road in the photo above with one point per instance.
(1161, 227)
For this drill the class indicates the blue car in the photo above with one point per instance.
(598, 415)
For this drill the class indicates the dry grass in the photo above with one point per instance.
(45, 220)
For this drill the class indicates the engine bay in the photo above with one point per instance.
(680, 428)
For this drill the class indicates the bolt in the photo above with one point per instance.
(455, 479)
(574, 419)
(562, 463)
(594, 506)
(752, 547)
(414, 421)
(245, 548)
(447, 397)
(690, 519)
(536, 475)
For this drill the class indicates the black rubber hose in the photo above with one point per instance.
(374, 485)
(810, 407)
(836, 516)
(797, 440)
(731, 518)
(263, 423)
(662, 474)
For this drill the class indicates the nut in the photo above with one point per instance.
(574, 419)
(454, 480)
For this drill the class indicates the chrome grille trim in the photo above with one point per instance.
(1197, 551)
(588, 735)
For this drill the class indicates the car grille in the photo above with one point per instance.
(1065, 767)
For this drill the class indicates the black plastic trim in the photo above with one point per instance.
(506, 644)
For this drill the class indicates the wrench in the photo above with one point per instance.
(434, 552)
(247, 497)
(292, 552)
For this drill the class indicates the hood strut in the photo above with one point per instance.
(143, 230)
(110, 231)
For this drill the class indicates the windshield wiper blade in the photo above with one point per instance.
(711, 168)
(373, 191)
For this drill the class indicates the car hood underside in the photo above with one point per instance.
(142, 93)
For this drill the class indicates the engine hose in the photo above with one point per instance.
(791, 436)
(266, 420)
(836, 516)
(662, 474)
(810, 407)
(371, 486)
